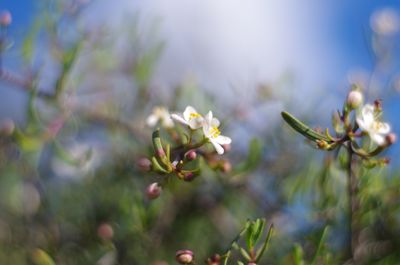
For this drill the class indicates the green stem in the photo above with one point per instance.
(352, 203)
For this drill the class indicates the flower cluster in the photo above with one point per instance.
(179, 157)
(353, 126)
(209, 124)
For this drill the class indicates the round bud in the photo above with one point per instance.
(153, 191)
(226, 166)
(227, 147)
(391, 138)
(184, 256)
(251, 263)
(105, 231)
(354, 99)
(214, 260)
(7, 127)
(5, 18)
(144, 164)
(191, 155)
(189, 176)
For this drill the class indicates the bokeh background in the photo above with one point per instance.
(71, 168)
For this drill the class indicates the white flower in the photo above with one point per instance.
(190, 118)
(213, 134)
(160, 114)
(367, 121)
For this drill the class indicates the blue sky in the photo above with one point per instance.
(344, 29)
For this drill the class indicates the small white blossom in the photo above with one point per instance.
(190, 118)
(160, 114)
(213, 134)
(367, 121)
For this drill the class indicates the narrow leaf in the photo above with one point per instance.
(303, 129)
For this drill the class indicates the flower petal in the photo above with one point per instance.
(152, 120)
(215, 122)
(196, 123)
(179, 119)
(220, 150)
(377, 138)
(223, 139)
(368, 114)
(384, 128)
(188, 111)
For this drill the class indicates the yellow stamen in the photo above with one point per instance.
(194, 115)
(214, 132)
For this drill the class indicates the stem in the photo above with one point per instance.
(353, 203)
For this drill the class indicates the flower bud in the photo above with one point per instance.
(227, 147)
(378, 105)
(5, 18)
(191, 155)
(189, 176)
(354, 99)
(226, 166)
(251, 263)
(184, 256)
(214, 260)
(391, 138)
(105, 231)
(143, 164)
(7, 127)
(153, 191)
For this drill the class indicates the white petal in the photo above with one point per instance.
(368, 114)
(215, 122)
(206, 130)
(361, 124)
(377, 138)
(152, 120)
(384, 128)
(189, 110)
(220, 150)
(196, 123)
(168, 122)
(209, 118)
(179, 119)
(223, 139)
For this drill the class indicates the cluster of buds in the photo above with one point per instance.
(182, 160)
(353, 125)
(252, 252)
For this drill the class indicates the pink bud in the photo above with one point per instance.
(7, 127)
(184, 256)
(143, 164)
(5, 18)
(191, 155)
(251, 263)
(227, 147)
(153, 191)
(189, 176)
(354, 99)
(105, 231)
(391, 138)
(226, 166)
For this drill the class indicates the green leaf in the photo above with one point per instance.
(298, 255)
(40, 257)
(303, 129)
(157, 167)
(261, 251)
(245, 254)
(320, 244)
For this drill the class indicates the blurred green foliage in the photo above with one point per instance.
(71, 194)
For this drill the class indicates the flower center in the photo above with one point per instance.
(377, 125)
(214, 132)
(194, 115)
